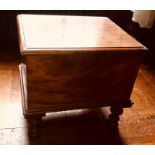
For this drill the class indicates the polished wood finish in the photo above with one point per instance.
(69, 34)
(76, 81)
(88, 126)
(9, 26)
(73, 62)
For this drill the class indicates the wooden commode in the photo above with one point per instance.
(75, 62)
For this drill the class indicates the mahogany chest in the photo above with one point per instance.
(75, 62)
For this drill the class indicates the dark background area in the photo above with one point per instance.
(9, 36)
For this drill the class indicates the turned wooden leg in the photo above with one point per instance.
(116, 111)
(114, 116)
(34, 126)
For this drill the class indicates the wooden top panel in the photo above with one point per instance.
(52, 33)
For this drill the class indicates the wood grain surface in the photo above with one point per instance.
(65, 34)
(76, 62)
(60, 82)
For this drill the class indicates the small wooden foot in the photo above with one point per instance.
(34, 126)
(116, 111)
(114, 116)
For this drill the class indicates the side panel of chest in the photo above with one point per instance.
(61, 82)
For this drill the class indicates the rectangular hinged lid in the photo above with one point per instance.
(52, 33)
